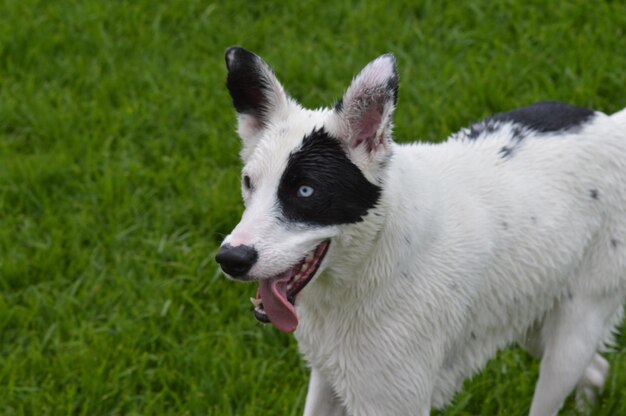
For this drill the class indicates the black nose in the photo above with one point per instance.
(236, 261)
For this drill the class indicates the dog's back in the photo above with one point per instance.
(528, 222)
(619, 119)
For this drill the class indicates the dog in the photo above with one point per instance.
(403, 268)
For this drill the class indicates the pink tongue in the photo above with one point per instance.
(280, 311)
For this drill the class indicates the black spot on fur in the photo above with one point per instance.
(517, 133)
(246, 83)
(594, 193)
(384, 163)
(505, 225)
(473, 335)
(392, 86)
(407, 240)
(475, 130)
(544, 117)
(342, 194)
(339, 106)
(614, 242)
(547, 116)
(533, 219)
(505, 152)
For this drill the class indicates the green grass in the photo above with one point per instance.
(119, 176)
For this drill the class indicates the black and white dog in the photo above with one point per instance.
(403, 268)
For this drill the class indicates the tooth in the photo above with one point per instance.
(256, 302)
(310, 256)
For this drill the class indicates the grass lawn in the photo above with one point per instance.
(119, 176)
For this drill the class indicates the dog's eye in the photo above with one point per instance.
(305, 191)
(246, 182)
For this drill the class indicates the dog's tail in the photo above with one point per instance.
(620, 118)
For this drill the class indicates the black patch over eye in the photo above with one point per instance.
(341, 194)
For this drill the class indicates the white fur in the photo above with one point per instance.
(466, 253)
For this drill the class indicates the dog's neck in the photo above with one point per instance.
(365, 254)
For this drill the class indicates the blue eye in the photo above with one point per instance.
(305, 191)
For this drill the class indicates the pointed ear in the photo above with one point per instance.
(257, 95)
(366, 108)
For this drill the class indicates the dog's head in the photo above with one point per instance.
(307, 175)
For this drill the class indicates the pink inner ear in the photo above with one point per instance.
(366, 129)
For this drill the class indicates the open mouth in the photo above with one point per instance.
(276, 297)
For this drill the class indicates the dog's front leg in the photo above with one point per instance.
(321, 399)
